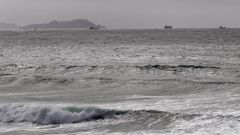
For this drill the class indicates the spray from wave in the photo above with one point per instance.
(52, 115)
(44, 115)
(118, 120)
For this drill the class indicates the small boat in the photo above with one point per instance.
(93, 28)
(168, 27)
(222, 27)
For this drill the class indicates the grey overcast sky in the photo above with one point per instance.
(125, 13)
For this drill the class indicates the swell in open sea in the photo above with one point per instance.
(169, 82)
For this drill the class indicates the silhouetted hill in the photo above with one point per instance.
(78, 23)
(4, 26)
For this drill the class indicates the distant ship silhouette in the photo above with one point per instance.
(168, 27)
(222, 27)
(93, 28)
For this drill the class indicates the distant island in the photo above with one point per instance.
(74, 24)
(6, 26)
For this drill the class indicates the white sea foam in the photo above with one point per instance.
(48, 114)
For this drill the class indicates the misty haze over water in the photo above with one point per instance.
(125, 13)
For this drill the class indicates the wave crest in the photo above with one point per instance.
(52, 115)
(44, 115)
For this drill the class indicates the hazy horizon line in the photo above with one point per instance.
(150, 27)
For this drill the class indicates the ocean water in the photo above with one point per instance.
(164, 82)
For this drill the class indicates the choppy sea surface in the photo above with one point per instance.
(166, 82)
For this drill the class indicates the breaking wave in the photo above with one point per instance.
(150, 67)
(52, 115)
(94, 67)
(175, 67)
(44, 115)
(59, 74)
